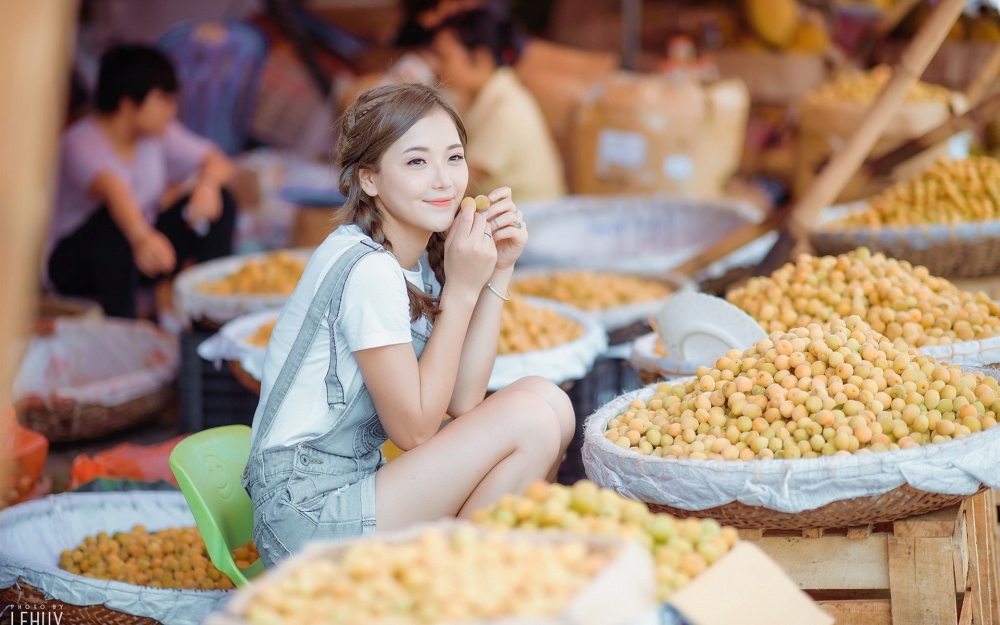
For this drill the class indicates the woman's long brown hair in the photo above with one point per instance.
(372, 123)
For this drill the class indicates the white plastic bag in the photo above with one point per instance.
(102, 361)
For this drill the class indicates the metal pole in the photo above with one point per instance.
(631, 33)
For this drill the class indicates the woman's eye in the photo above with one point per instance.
(457, 157)
(416, 161)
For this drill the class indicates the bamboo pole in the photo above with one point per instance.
(845, 162)
(35, 51)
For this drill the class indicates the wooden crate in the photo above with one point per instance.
(940, 568)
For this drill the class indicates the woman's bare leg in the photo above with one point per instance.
(510, 440)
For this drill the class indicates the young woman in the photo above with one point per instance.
(393, 325)
(113, 226)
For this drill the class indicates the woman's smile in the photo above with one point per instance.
(445, 202)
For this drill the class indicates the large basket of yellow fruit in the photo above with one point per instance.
(221, 290)
(453, 572)
(242, 343)
(621, 302)
(92, 377)
(947, 219)
(547, 339)
(805, 429)
(89, 558)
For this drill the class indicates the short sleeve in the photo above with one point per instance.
(375, 308)
(83, 157)
(183, 151)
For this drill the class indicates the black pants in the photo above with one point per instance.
(96, 260)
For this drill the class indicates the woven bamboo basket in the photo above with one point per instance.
(965, 250)
(645, 479)
(898, 503)
(24, 595)
(70, 421)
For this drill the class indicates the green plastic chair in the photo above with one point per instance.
(208, 466)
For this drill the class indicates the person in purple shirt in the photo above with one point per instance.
(115, 225)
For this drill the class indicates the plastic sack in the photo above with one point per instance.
(106, 362)
(127, 460)
(230, 343)
(33, 534)
(957, 467)
(193, 305)
(562, 363)
(632, 233)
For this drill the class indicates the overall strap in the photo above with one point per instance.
(331, 287)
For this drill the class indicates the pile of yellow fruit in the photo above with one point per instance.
(592, 290)
(864, 87)
(895, 298)
(469, 575)
(274, 274)
(261, 337)
(807, 393)
(681, 549)
(947, 193)
(170, 558)
(527, 328)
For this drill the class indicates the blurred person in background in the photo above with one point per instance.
(138, 194)
(509, 141)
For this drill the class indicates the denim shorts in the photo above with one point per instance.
(305, 495)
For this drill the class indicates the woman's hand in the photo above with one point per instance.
(470, 255)
(510, 234)
(153, 253)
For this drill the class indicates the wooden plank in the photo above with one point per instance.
(870, 612)
(860, 532)
(751, 535)
(832, 562)
(961, 553)
(922, 581)
(983, 583)
(813, 532)
(965, 615)
(937, 524)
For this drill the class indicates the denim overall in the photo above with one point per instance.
(322, 489)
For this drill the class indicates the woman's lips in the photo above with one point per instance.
(440, 203)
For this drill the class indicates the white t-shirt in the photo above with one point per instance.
(375, 312)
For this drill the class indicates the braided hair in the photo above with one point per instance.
(372, 123)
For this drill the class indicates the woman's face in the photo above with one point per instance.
(156, 111)
(423, 175)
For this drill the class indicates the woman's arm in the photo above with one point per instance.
(480, 348)
(411, 396)
(153, 253)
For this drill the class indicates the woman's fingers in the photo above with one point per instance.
(507, 220)
(462, 226)
(503, 193)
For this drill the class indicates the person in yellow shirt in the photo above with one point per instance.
(509, 141)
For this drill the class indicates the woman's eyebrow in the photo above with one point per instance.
(418, 148)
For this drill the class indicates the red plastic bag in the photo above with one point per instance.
(126, 461)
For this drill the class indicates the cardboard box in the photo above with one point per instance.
(646, 133)
(746, 586)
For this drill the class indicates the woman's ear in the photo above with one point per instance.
(367, 179)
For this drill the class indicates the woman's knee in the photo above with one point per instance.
(557, 400)
(528, 419)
